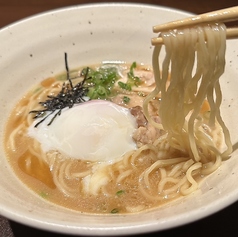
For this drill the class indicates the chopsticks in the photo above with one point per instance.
(224, 15)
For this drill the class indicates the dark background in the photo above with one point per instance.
(221, 224)
(13, 10)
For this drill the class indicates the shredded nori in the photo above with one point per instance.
(67, 97)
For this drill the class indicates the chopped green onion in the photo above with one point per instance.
(114, 211)
(120, 192)
(124, 86)
(44, 194)
(101, 81)
(132, 79)
(126, 99)
(37, 89)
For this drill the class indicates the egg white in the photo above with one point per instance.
(97, 130)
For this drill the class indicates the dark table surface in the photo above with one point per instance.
(221, 224)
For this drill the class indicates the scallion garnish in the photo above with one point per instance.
(124, 86)
(132, 79)
(126, 99)
(120, 192)
(114, 211)
(101, 82)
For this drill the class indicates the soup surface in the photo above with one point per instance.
(101, 155)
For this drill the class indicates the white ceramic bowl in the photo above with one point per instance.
(33, 49)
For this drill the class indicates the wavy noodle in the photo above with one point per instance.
(182, 100)
(123, 175)
(191, 180)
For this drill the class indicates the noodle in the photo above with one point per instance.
(182, 100)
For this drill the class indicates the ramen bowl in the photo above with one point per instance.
(33, 49)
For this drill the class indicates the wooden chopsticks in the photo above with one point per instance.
(224, 15)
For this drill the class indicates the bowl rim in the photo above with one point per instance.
(92, 5)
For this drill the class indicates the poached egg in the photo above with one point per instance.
(96, 130)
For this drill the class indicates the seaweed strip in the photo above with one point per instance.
(67, 97)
